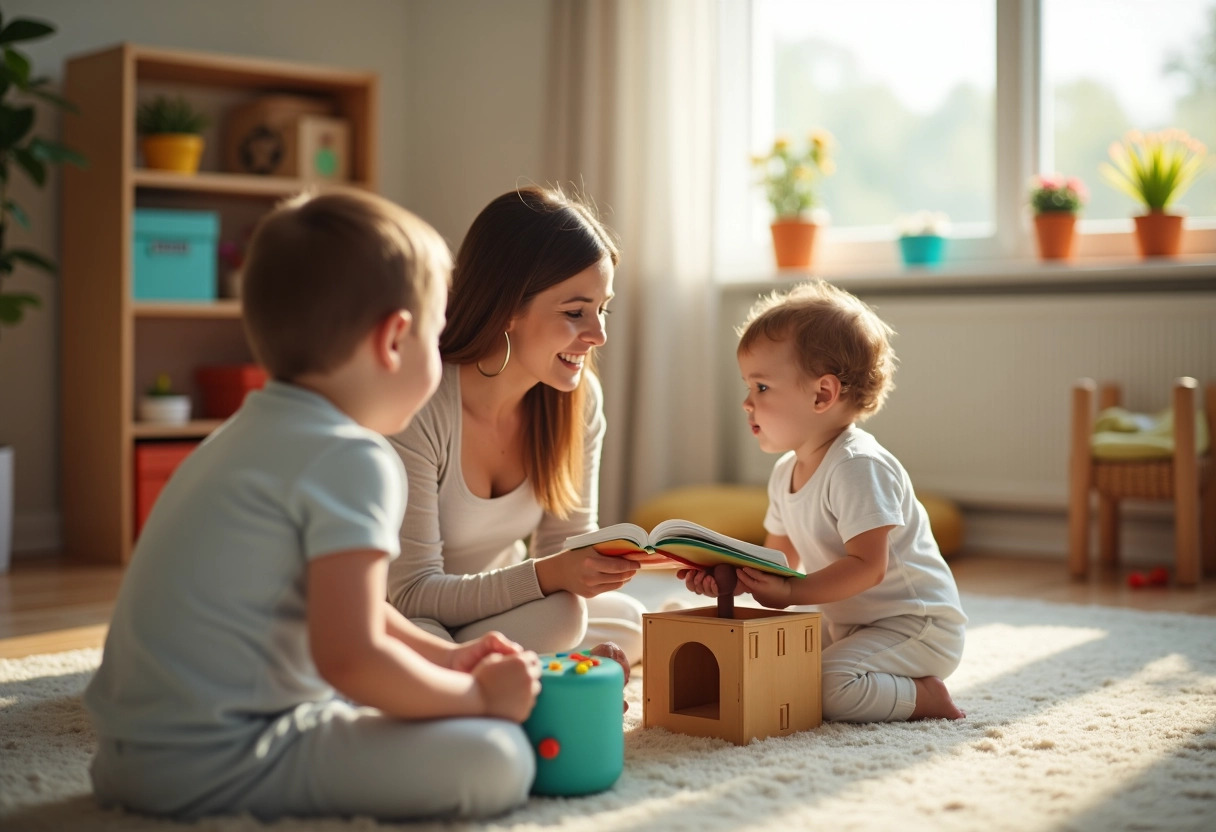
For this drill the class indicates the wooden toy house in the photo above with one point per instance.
(751, 676)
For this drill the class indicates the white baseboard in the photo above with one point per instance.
(1147, 534)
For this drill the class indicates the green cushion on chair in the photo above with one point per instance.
(1122, 436)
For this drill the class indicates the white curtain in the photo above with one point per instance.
(632, 127)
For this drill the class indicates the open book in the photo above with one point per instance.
(683, 542)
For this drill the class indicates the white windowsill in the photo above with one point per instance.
(1180, 274)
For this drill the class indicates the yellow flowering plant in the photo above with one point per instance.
(789, 175)
(1155, 168)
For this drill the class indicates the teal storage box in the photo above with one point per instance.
(175, 254)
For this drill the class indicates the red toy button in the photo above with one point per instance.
(548, 748)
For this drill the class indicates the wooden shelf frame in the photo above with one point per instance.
(101, 321)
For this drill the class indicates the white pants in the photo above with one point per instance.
(327, 758)
(560, 622)
(868, 670)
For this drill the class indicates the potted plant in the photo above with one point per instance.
(33, 155)
(922, 237)
(789, 178)
(1155, 169)
(1055, 201)
(172, 133)
(161, 404)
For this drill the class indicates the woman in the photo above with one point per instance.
(508, 449)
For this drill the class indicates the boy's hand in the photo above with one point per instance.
(509, 684)
(773, 591)
(464, 657)
(583, 572)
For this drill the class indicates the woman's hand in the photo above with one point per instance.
(464, 657)
(773, 591)
(583, 572)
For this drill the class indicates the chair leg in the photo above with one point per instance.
(1209, 523)
(1108, 531)
(1079, 474)
(1186, 484)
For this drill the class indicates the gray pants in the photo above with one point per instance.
(559, 622)
(328, 758)
(868, 671)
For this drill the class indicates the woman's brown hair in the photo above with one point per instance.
(522, 243)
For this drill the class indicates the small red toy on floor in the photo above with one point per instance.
(1160, 576)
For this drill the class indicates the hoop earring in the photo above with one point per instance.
(504, 361)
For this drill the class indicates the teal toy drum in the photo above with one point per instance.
(922, 250)
(577, 728)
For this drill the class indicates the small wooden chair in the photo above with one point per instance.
(1187, 479)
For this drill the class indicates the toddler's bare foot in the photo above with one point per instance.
(933, 700)
(612, 650)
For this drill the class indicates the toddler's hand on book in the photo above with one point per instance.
(701, 581)
(509, 684)
(773, 591)
(464, 657)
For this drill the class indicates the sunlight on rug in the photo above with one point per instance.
(1079, 718)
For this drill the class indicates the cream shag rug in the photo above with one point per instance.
(1079, 718)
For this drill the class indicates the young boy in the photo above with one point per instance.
(817, 361)
(253, 613)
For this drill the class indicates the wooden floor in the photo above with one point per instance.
(48, 605)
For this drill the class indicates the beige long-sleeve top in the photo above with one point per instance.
(463, 557)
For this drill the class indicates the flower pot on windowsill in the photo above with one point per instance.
(922, 249)
(1159, 234)
(1055, 232)
(793, 242)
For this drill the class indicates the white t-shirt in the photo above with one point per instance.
(209, 636)
(859, 486)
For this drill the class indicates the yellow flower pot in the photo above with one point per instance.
(178, 152)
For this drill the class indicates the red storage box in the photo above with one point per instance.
(223, 388)
(154, 462)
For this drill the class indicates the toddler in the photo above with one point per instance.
(253, 664)
(817, 362)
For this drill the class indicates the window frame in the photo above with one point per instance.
(1022, 137)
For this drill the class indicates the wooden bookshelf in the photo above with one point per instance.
(111, 344)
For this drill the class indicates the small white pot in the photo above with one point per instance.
(6, 506)
(171, 410)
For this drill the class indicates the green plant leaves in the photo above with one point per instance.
(12, 306)
(15, 122)
(24, 29)
(33, 154)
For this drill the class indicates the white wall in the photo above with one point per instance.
(462, 98)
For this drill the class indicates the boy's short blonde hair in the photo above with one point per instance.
(324, 270)
(833, 333)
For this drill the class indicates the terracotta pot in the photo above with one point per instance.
(1159, 234)
(178, 152)
(1055, 232)
(793, 243)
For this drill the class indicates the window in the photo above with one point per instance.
(951, 105)
(1156, 69)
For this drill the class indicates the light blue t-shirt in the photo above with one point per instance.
(209, 637)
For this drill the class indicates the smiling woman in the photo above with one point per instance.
(508, 450)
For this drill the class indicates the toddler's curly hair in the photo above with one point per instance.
(833, 333)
